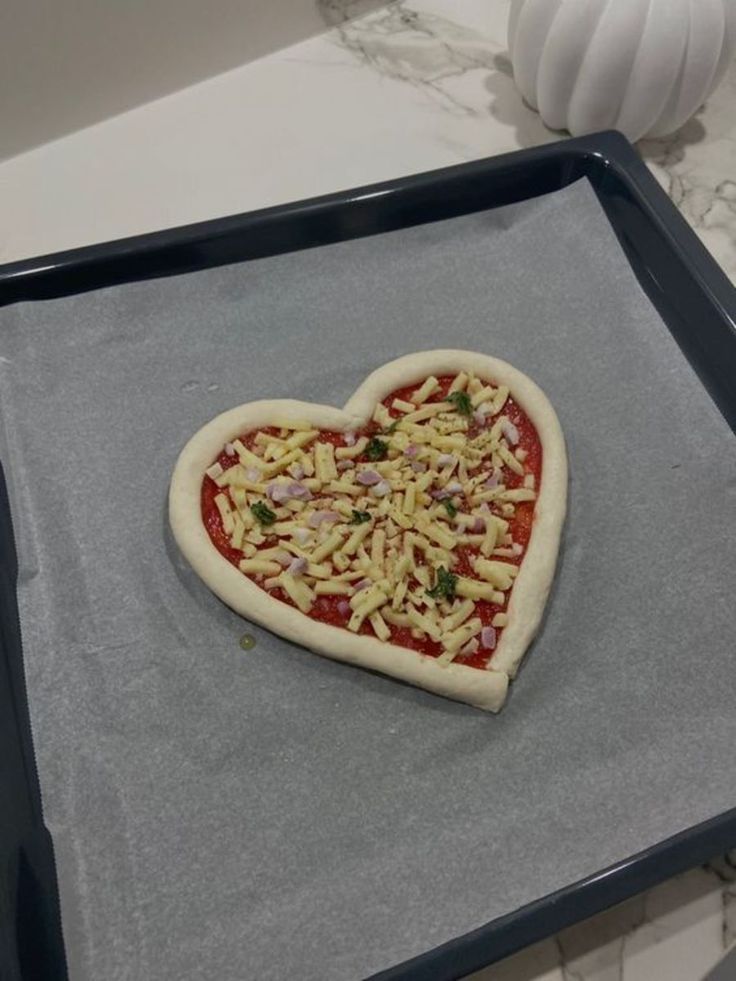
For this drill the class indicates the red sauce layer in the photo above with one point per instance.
(327, 609)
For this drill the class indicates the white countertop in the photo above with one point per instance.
(408, 88)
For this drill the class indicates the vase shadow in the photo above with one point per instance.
(509, 108)
(671, 149)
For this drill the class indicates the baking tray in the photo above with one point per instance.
(691, 294)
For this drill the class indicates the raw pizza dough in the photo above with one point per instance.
(483, 688)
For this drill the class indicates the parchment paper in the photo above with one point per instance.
(273, 815)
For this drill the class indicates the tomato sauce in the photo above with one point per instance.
(332, 609)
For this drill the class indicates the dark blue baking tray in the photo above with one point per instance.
(693, 297)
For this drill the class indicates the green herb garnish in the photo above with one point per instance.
(392, 428)
(462, 403)
(359, 517)
(263, 513)
(376, 449)
(450, 508)
(444, 587)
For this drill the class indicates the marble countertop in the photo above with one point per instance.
(411, 86)
(407, 87)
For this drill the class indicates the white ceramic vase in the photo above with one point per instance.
(640, 66)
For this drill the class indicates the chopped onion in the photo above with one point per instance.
(517, 549)
(277, 492)
(484, 506)
(454, 487)
(287, 492)
(510, 431)
(382, 489)
(319, 517)
(302, 535)
(343, 465)
(480, 416)
(344, 608)
(493, 481)
(478, 526)
(418, 466)
(470, 648)
(411, 450)
(298, 567)
(299, 491)
(297, 471)
(440, 495)
(349, 439)
(253, 474)
(229, 449)
(445, 459)
(362, 584)
(488, 638)
(368, 478)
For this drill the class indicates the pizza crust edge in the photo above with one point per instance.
(485, 689)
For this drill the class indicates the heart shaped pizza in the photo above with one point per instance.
(413, 532)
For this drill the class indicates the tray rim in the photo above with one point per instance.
(610, 148)
(39, 277)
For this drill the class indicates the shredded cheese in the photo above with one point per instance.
(429, 387)
(378, 535)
